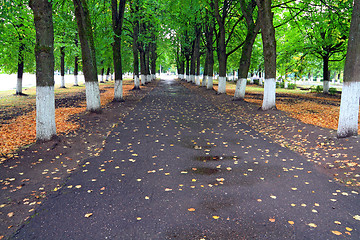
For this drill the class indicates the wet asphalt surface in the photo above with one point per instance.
(178, 168)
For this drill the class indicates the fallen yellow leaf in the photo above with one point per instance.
(216, 217)
(191, 209)
(272, 219)
(291, 222)
(336, 232)
(312, 225)
(88, 215)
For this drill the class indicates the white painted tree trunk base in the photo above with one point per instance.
(181, 76)
(349, 110)
(118, 91)
(188, 78)
(19, 86)
(62, 83)
(210, 82)
(192, 78)
(107, 78)
(76, 80)
(148, 78)
(45, 113)
(203, 82)
(269, 94)
(240, 89)
(326, 86)
(136, 82)
(222, 85)
(143, 79)
(92, 97)
(197, 80)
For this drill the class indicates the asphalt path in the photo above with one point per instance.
(177, 167)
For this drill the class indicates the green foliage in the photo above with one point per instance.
(292, 86)
(333, 91)
(316, 89)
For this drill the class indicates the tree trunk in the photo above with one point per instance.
(153, 57)
(188, 70)
(326, 74)
(221, 48)
(117, 22)
(142, 67)
(197, 77)
(107, 75)
(245, 60)
(204, 81)
(135, 10)
(349, 107)
(76, 67)
(102, 74)
(62, 67)
(44, 52)
(147, 63)
(193, 63)
(20, 69)
(88, 56)
(209, 33)
(269, 49)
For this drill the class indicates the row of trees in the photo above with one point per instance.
(65, 35)
(278, 37)
(306, 31)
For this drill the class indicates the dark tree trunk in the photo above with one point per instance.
(349, 108)
(142, 67)
(269, 50)
(187, 69)
(153, 58)
(326, 74)
(44, 53)
(147, 62)
(135, 10)
(108, 74)
(88, 55)
(20, 69)
(62, 67)
(193, 63)
(76, 67)
(209, 33)
(102, 75)
(245, 60)
(117, 22)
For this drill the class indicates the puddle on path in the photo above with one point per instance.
(211, 158)
(204, 170)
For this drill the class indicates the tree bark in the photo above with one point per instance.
(269, 49)
(153, 58)
(209, 33)
(88, 56)
(349, 107)
(76, 67)
(44, 52)
(326, 74)
(62, 67)
(135, 10)
(221, 45)
(20, 69)
(102, 75)
(147, 63)
(245, 60)
(107, 74)
(117, 22)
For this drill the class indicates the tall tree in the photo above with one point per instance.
(134, 8)
(118, 10)
(88, 55)
(269, 50)
(349, 108)
(44, 52)
(62, 68)
(252, 28)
